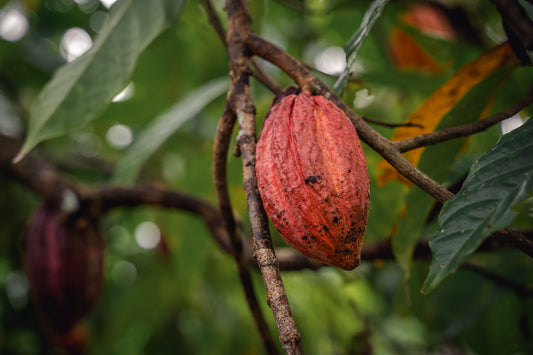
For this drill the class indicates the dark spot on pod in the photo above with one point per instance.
(325, 228)
(304, 237)
(351, 238)
(343, 252)
(312, 179)
(336, 219)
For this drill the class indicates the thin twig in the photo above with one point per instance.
(241, 100)
(423, 140)
(391, 125)
(215, 21)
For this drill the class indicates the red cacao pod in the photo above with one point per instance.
(64, 264)
(312, 177)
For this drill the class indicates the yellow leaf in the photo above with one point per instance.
(436, 106)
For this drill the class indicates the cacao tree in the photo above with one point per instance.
(264, 177)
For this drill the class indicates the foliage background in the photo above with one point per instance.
(184, 296)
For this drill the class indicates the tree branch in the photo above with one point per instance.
(222, 142)
(240, 100)
(423, 140)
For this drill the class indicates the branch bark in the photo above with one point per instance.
(465, 130)
(240, 100)
(221, 148)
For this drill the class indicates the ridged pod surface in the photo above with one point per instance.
(64, 265)
(312, 177)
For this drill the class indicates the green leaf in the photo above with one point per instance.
(500, 179)
(81, 89)
(162, 127)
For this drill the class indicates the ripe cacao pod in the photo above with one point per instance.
(64, 263)
(312, 177)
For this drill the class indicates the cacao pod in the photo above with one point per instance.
(312, 177)
(64, 264)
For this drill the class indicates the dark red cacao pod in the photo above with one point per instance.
(312, 177)
(64, 264)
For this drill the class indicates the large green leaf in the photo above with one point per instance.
(162, 127)
(500, 179)
(82, 88)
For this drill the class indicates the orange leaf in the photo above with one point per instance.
(436, 106)
(407, 54)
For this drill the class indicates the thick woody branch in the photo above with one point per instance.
(240, 99)
(221, 148)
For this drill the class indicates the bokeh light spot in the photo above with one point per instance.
(363, 99)
(119, 136)
(511, 123)
(108, 3)
(147, 235)
(13, 24)
(74, 43)
(331, 60)
(17, 288)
